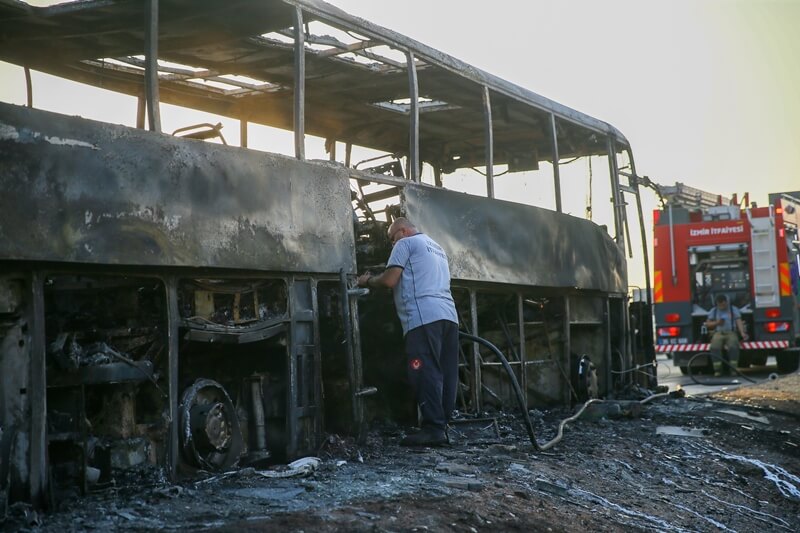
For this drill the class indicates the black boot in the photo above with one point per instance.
(425, 437)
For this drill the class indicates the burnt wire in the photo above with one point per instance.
(482, 173)
(638, 368)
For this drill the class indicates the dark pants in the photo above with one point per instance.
(432, 359)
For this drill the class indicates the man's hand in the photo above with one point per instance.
(363, 279)
(744, 336)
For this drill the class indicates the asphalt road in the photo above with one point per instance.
(670, 375)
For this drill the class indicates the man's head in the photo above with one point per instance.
(400, 229)
(722, 301)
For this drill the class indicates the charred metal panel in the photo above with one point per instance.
(82, 191)
(504, 242)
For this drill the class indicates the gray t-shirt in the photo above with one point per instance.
(728, 316)
(423, 294)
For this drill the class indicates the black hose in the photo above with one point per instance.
(514, 382)
(715, 382)
(521, 398)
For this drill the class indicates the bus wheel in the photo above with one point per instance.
(788, 362)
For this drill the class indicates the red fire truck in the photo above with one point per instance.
(705, 245)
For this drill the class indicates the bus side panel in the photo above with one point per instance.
(503, 242)
(76, 190)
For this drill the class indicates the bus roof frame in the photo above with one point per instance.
(37, 23)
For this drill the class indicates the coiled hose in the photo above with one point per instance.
(725, 364)
(521, 398)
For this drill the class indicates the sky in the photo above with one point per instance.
(706, 91)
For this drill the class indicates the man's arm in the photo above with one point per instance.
(740, 327)
(388, 279)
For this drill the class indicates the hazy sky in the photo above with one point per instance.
(706, 91)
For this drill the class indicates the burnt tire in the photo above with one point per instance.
(788, 362)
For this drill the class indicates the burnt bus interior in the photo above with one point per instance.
(173, 304)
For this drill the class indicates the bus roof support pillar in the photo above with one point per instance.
(487, 113)
(413, 133)
(556, 172)
(299, 85)
(151, 65)
(28, 87)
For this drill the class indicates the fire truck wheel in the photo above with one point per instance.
(758, 360)
(685, 370)
(788, 362)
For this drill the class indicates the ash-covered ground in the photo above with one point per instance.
(729, 462)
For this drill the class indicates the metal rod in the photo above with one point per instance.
(626, 341)
(567, 350)
(623, 204)
(619, 208)
(299, 85)
(292, 426)
(173, 321)
(348, 343)
(556, 171)
(607, 349)
(522, 354)
(413, 133)
(151, 67)
(361, 434)
(476, 354)
(29, 86)
(487, 113)
(317, 392)
(243, 133)
(649, 349)
(37, 395)
(348, 154)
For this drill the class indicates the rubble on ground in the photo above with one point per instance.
(733, 466)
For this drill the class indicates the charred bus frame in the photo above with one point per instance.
(207, 288)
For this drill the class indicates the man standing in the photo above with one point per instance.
(721, 320)
(418, 273)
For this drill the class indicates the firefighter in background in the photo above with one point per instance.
(721, 322)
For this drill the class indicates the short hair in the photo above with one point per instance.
(721, 298)
(403, 222)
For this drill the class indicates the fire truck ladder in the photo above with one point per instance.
(765, 260)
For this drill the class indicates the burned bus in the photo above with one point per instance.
(174, 303)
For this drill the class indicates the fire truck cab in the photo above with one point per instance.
(705, 245)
